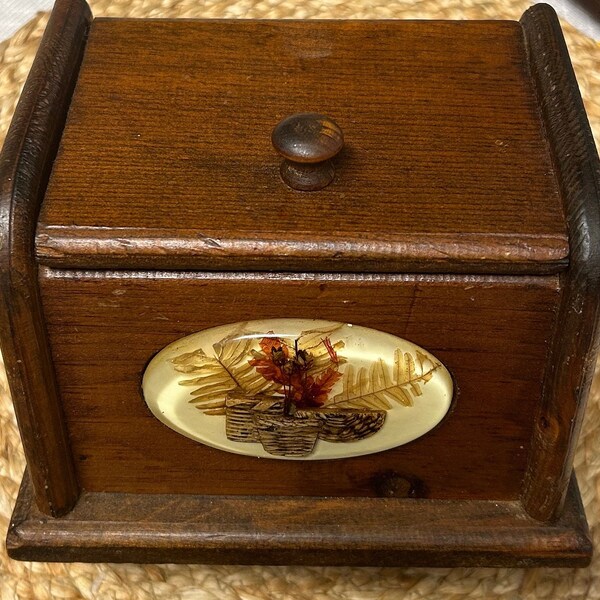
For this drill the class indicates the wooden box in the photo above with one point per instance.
(142, 201)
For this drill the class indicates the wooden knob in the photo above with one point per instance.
(307, 142)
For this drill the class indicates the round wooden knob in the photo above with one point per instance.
(307, 142)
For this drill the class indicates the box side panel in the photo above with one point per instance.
(491, 332)
(575, 346)
(25, 162)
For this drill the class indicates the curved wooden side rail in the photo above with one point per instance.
(25, 165)
(574, 347)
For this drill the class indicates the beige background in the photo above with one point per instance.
(15, 13)
(190, 582)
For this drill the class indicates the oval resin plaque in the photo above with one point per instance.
(297, 389)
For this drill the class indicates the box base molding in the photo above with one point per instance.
(145, 528)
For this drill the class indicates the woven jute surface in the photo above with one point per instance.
(44, 581)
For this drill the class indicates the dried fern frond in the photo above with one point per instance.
(311, 339)
(211, 385)
(211, 382)
(215, 411)
(234, 355)
(192, 362)
(229, 369)
(377, 388)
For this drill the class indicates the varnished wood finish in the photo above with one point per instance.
(307, 141)
(467, 151)
(491, 332)
(307, 138)
(309, 531)
(166, 160)
(307, 177)
(128, 247)
(25, 162)
(574, 348)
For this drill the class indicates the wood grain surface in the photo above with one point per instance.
(166, 159)
(575, 345)
(165, 171)
(25, 162)
(308, 531)
(492, 333)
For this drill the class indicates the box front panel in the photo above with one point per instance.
(492, 333)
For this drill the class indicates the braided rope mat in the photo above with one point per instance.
(41, 581)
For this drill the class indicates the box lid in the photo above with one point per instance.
(166, 158)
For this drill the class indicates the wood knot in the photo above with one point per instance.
(390, 484)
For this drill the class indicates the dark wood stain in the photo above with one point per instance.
(575, 344)
(166, 160)
(492, 333)
(25, 162)
(308, 531)
(468, 154)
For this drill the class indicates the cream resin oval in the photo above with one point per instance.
(297, 389)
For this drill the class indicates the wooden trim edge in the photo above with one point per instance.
(265, 530)
(96, 248)
(575, 344)
(25, 163)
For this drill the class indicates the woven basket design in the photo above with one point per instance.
(287, 436)
(239, 425)
(349, 425)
